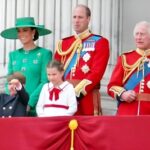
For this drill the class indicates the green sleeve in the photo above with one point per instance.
(35, 95)
(10, 68)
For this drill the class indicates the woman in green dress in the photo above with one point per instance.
(31, 60)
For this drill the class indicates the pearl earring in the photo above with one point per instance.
(32, 36)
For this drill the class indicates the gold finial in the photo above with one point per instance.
(73, 124)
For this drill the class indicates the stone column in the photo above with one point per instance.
(110, 28)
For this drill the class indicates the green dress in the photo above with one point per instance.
(33, 65)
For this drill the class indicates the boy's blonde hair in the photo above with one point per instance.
(17, 75)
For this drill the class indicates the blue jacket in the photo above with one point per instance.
(14, 106)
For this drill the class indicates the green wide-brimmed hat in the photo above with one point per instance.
(12, 33)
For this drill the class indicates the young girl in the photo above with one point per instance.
(57, 97)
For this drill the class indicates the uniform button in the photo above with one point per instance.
(141, 90)
(4, 108)
(148, 84)
(9, 116)
(10, 107)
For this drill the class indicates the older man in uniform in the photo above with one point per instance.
(130, 81)
(85, 57)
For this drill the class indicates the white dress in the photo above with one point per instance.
(66, 105)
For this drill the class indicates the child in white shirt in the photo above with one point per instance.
(57, 97)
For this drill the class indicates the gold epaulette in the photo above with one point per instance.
(69, 50)
(129, 51)
(128, 69)
(76, 46)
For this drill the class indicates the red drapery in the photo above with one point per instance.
(93, 133)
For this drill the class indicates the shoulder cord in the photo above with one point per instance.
(130, 68)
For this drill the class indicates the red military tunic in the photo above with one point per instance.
(87, 68)
(132, 72)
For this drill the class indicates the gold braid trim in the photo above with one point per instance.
(80, 88)
(83, 35)
(143, 52)
(130, 68)
(75, 46)
(117, 90)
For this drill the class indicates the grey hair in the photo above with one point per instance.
(142, 23)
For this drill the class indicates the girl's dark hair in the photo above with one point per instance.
(36, 35)
(56, 64)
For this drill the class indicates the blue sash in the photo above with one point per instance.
(92, 39)
(134, 80)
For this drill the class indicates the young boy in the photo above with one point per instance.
(14, 104)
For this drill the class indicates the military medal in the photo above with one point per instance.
(86, 57)
(89, 45)
(148, 84)
(148, 65)
(148, 62)
(85, 69)
(73, 70)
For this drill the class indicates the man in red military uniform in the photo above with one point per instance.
(85, 57)
(130, 80)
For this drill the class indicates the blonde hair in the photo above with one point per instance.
(17, 75)
(56, 64)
